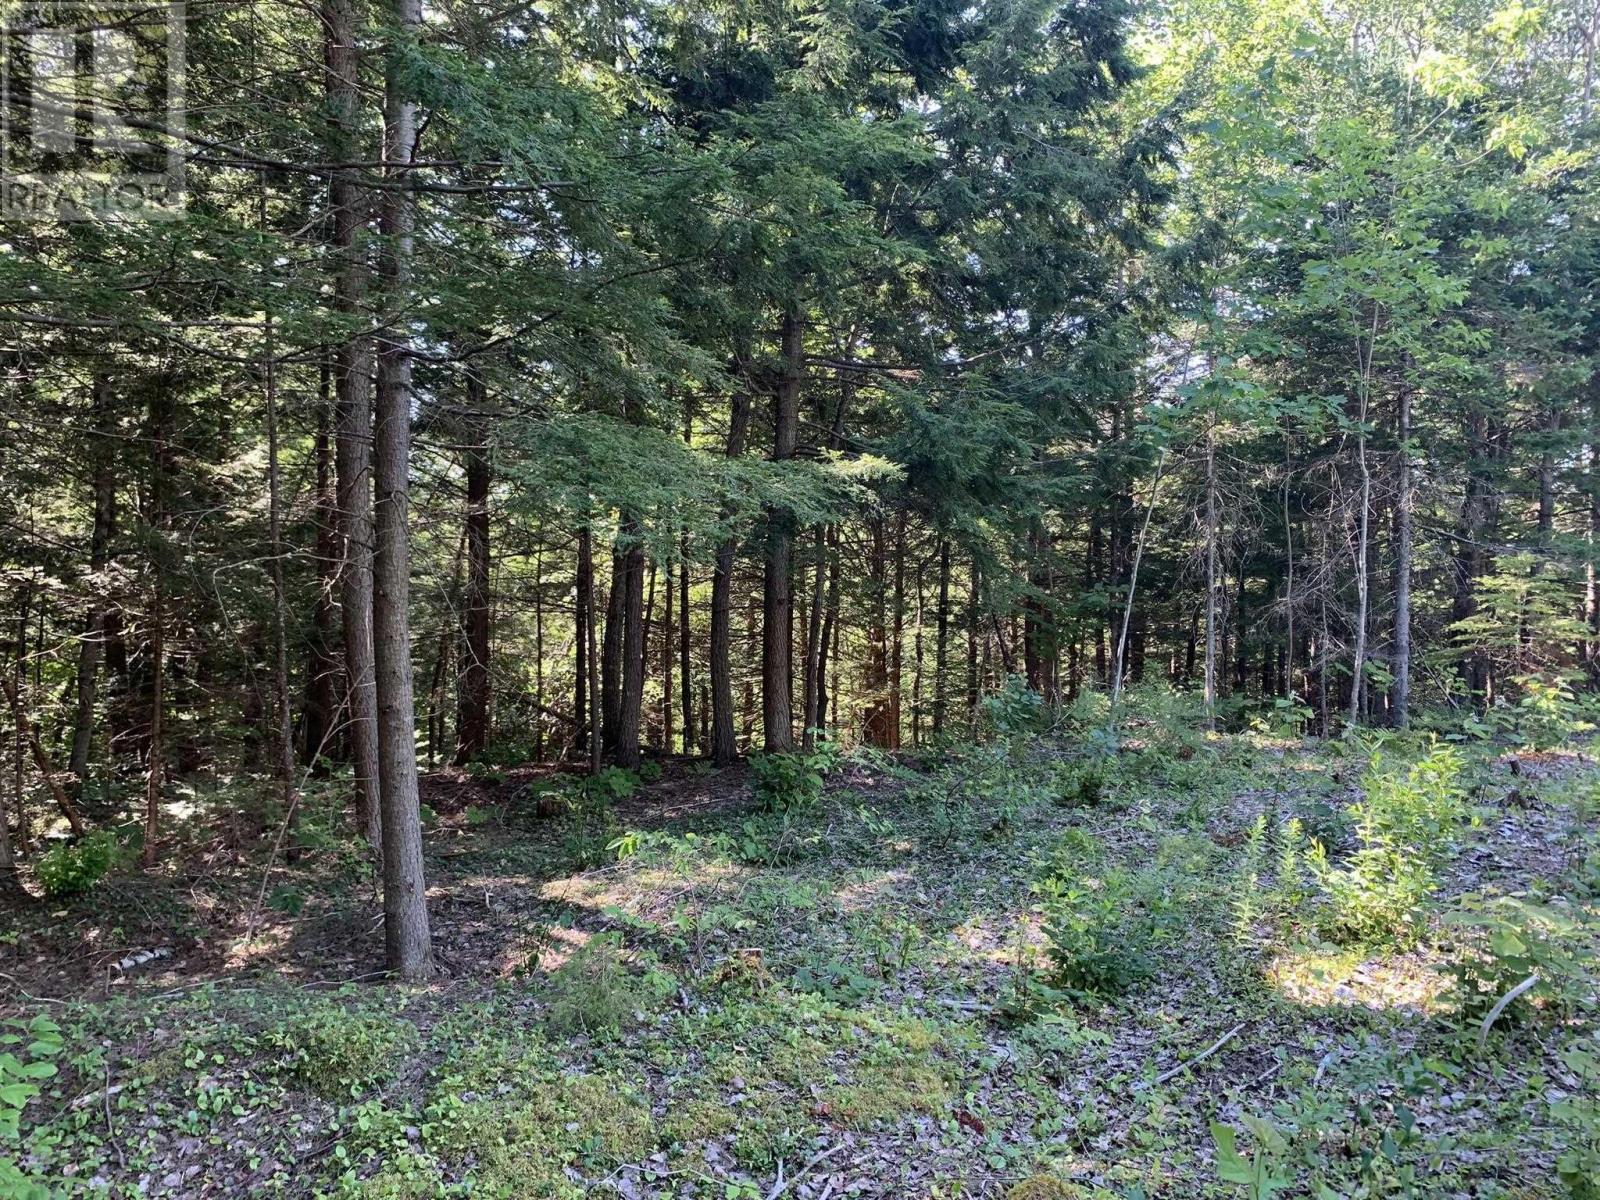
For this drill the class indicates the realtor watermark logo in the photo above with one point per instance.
(91, 110)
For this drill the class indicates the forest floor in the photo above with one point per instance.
(847, 1002)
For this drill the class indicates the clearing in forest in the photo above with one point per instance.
(1196, 966)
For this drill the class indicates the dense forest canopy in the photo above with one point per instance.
(567, 383)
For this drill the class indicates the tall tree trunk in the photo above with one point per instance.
(407, 941)
(472, 705)
(724, 747)
(941, 640)
(630, 701)
(811, 693)
(317, 719)
(611, 653)
(1358, 666)
(592, 652)
(1118, 661)
(828, 636)
(685, 678)
(974, 591)
(1213, 580)
(102, 453)
(1547, 478)
(1401, 697)
(916, 659)
(29, 736)
(668, 632)
(538, 650)
(879, 727)
(283, 721)
(897, 629)
(156, 519)
(1289, 598)
(19, 740)
(353, 399)
(582, 607)
(8, 865)
(777, 608)
(1038, 638)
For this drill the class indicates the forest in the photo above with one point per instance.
(747, 599)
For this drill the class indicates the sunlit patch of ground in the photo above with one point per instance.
(1414, 982)
(857, 1022)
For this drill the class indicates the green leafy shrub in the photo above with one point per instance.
(336, 1052)
(770, 840)
(614, 784)
(26, 1048)
(1266, 1170)
(1102, 926)
(1081, 784)
(1379, 897)
(594, 992)
(1406, 822)
(1579, 1117)
(1016, 710)
(981, 791)
(1101, 941)
(1246, 902)
(1423, 806)
(592, 829)
(1503, 940)
(69, 868)
(790, 781)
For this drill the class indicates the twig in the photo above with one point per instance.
(1201, 1057)
(27, 995)
(783, 1185)
(111, 1132)
(1323, 1065)
(1500, 1007)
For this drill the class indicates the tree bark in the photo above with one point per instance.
(879, 726)
(1363, 519)
(811, 689)
(407, 939)
(941, 650)
(155, 764)
(777, 608)
(472, 702)
(41, 758)
(668, 632)
(611, 653)
(1401, 697)
(829, 634)
(685, 659)
(630, 701)
(592, 652)
(1212, 580)
(353, 400)
(724, 747)
(283, 722)
(91, 647)
(317, 719)
(582, 608)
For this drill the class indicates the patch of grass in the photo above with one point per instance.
(523, 1146)
(334, 1052)
(886, 1093)
(595, 992)
(1044, 1187)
